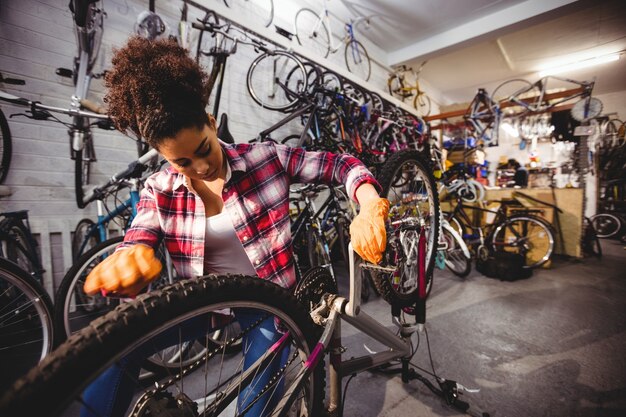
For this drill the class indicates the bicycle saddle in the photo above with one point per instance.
(222, 131)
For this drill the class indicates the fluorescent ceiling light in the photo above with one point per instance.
(580, 64)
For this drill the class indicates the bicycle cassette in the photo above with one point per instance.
(163, 404)
(315, 282)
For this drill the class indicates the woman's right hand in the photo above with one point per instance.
(125, 272)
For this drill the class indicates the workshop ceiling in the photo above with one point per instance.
(480, 43)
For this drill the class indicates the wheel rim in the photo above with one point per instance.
(526, 236)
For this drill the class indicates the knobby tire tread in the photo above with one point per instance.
(45, 390)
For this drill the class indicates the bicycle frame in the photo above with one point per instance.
(535, 104)
(105, 217)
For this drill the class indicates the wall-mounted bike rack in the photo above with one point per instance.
(271, 35)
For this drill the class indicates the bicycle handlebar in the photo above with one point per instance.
(35, 105)
(218, 29)
(132, 171)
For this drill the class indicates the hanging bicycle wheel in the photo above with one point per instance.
(395, 85)
(312, 33)
(357, 60)
(526, 235)
(261, 10)
(217, 384)
(267, 80)
(5, 147)
(408, 184)
(26, 326)
(421, 103)
(606, 225)
(510, 89)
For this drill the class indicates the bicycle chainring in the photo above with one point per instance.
(315, 282)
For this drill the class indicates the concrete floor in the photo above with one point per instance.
(551, 345)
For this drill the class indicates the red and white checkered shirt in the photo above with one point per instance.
(256, 197)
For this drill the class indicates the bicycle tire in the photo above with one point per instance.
(81, 234)
(421, 103)
(20, 249)
(395, 84)
(456, 261)
(82, 168)
(503, 92)
(358, 60)
(408, 183)
(6, 147)
(73, 309)
(278, 99)
(209, 17)
(61, 377)
(606, 225)
(265, 15)
(316, 41)
(504, 238)
(27, 327)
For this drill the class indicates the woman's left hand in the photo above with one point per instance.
(367, 231)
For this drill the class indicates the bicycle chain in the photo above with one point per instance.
(138, 410)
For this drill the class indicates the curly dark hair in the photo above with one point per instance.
(155, 89)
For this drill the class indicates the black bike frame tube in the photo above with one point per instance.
(297, 113)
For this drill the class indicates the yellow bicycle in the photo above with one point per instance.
(398, 85)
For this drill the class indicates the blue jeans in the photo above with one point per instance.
(111, 393)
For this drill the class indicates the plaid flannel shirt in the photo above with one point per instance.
(256, 197)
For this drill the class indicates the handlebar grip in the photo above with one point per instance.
(92, 106)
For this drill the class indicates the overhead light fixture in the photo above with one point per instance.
(580, 64)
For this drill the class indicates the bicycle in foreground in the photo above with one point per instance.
(307, 333)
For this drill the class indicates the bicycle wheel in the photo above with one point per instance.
(267, 77)
(527, 235)
(395, 85)
(606, 225)
(82, 241)
(73, 309)
(5, 147)
(408, 184)
(26, 326)
(18, 248)
(294, 77)
(312, 33)
(212, 384)
(421, 103)
(456, 261)
(510, 88)
(262, 10)
(357, 60)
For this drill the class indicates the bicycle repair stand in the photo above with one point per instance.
(350, 311)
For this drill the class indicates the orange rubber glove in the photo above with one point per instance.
(125, 272)
(367, 231)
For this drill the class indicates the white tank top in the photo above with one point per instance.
(223, 251)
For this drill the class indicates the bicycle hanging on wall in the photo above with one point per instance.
(314, 31)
